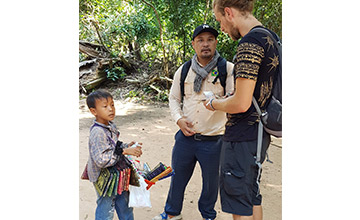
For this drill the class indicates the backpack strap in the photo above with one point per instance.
(222, 74)
(109, 138)
(259, 145)
(221, 66)
(260, 132)
(261, 126)
(184, 72)
(278, 45)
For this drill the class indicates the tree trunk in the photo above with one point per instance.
(184, 43)
(206, 10)
(166, 65)
(137, 50)
(130, 46)
(94, 23)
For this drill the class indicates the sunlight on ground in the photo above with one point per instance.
(122, 109)
(277, 187)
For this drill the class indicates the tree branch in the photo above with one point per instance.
(97, 32)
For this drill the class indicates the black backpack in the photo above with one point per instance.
(271, 118)
(221, 66)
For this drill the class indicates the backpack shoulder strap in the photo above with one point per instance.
(184, 72)
(222, 75)
(278, 77)
(278, 45)
(109, 138)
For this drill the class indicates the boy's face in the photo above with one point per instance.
(104, 110)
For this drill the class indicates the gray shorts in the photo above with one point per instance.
(239, 190)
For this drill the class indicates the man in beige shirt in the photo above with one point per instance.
(199, 137)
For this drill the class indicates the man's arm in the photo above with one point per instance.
(237, 103)
(229, 79)
(175, 106)
(175, 97)
(247, 64)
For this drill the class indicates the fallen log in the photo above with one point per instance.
(93, 50)
(166, 78)
(88, 67)
(156, 89)
(133, 81)
(91, 74)
(93, 84)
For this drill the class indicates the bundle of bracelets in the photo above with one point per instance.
(210, 102)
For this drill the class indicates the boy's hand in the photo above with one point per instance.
(132, 143)
(136, 151)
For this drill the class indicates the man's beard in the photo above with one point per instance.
(207, 56)
(235, 34)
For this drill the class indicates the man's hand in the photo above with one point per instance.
(207, 104)
(185, 126)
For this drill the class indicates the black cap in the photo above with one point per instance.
(204, 28)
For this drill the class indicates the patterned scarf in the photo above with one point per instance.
(202, 72)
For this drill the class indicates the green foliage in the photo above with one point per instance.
(127, 25)
(122, 23)
(163, 96)
(132, 94)
(269, 12)
(115, 73)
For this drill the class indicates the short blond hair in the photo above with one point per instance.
(241, 5)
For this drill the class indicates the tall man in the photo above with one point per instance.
(256, 65)
(199, 137)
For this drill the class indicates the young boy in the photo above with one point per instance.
(105, 151)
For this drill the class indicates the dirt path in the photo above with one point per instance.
(153, 126)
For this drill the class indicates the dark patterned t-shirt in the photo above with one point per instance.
(256, 59)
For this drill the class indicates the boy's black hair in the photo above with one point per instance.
(96, 95)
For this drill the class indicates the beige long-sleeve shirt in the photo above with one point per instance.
(205, 122)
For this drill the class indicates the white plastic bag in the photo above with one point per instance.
(139, 196)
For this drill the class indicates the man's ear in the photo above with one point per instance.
(192, 43)
(93, 111)
(228, 13)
